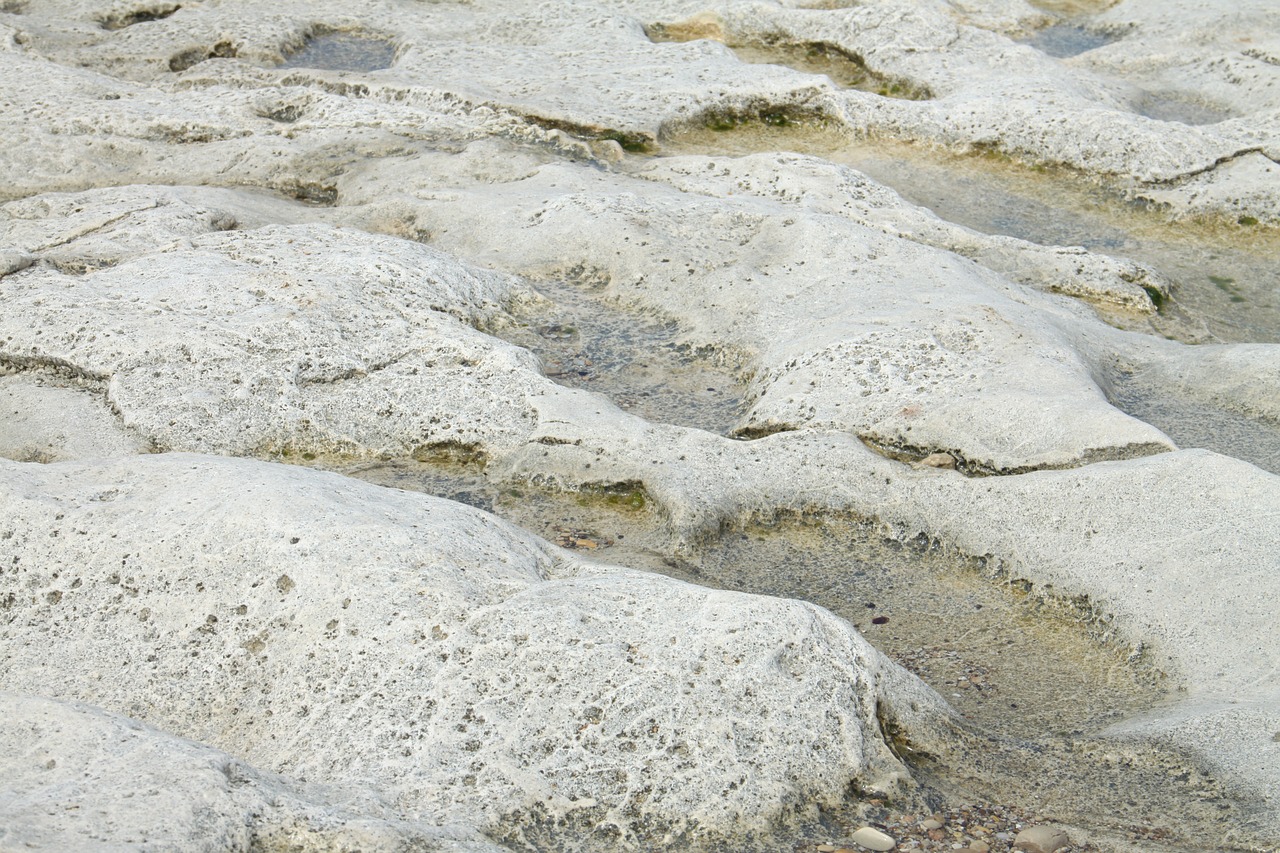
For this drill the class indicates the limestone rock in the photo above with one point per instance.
(80, 778)
(1040, 839)
(43, 419)
(873, 839)
(413, 652)
(815, 185)
(818, 305)
(183, 78)
(278, 341)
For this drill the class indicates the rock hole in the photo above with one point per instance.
(283, 113)
(640, 362)
(451, 453)
(316, 193)
(1167, 106)
(141, 15)
(1066, 40)
(194, 56)
(334, 50)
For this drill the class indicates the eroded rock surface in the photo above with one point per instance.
(206, 248)
(80, 778)
(429, 661)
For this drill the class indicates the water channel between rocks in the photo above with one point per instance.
(1034, 678)
(1226, 278)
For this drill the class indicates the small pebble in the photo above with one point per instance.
(1040, 839)
(939, 460)
(872, 839)
(931, 823)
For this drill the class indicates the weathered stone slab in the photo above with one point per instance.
(80, 778)
(416, 653)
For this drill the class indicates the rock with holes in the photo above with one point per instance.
(239, 128)
(302, 339)
(251, 90)
(408, 653)
(1153, 99)
(314, 340)
(842, 325)
(80, 778)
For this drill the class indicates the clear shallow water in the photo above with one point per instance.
(1034, 681)
(1065, 40)
(340, 51)
(638, 362)
(1171, 107)
(1194, 424)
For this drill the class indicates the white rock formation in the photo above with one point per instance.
(844, 326)
(80, 778)
(419, 658)
(204, 76)
(202, 250)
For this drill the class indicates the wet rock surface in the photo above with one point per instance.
(614, 273)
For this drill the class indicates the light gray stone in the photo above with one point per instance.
(817, 305)
(1040, 839)
(601, 75)
(280, 340)
(873, 839)
(414, 654)
(47, 419)
(80, 778)
(495, 136)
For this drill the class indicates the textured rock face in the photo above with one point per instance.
(79, 778)
(909, 347)
(602, 74)
(422, 656)
(288, 339)
(204, 250)
(281, 339)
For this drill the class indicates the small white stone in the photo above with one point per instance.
(939, 460)
(873, 839)
(1040, 839)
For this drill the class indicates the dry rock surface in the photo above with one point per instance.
(417, 660)
(233, 237)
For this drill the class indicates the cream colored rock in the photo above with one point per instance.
(208, 77)
(1040, 839)
(814, 185)
(495, 136)
(410, 653)
(873, 839)
(843, 327)
(280, 340)
(49, 419)
(80, 778)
